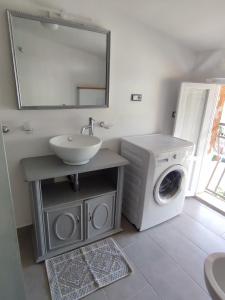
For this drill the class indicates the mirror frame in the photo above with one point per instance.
(62, 22)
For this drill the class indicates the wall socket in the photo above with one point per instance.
(136, 97)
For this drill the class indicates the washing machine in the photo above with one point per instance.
(155, 181)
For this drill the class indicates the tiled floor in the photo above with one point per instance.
(212, 201)
(167, 259)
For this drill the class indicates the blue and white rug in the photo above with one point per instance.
(76, 274)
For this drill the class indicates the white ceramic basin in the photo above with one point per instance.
(215, 275)
(75, 149)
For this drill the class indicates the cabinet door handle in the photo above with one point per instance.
(89, 217)
(78, 219)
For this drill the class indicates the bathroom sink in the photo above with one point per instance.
(75, 149)
(215, 275)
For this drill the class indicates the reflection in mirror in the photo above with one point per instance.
(59, 64)
(91, 95)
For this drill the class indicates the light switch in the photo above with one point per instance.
(136, 97)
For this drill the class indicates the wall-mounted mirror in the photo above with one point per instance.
(58, 63)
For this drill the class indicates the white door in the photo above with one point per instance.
(11, 278)
(194, 119)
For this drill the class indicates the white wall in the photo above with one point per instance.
(209, 64)
(142, 61)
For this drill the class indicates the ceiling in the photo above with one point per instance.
(198, 24)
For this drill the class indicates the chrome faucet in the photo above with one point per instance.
(89, 127)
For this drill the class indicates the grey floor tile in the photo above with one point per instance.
(190, 257)
(126, 225)
(168, 258)
(171, 282)
(127, 287)
(144, 251)
(129, 236)
(35, 277)
(206, 216)
(146, 294)
(98, 295)
(124, 239)
(207, 240)
(26, 246)
(36, 283)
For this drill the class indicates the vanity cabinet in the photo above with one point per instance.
(100, 215)
(65, 219)
(63, 226)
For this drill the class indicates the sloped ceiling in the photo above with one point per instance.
(198, 24)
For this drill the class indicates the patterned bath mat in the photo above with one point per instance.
(78, 273)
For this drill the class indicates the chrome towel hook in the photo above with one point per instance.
(5, 129)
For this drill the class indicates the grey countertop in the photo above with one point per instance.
(50, 166)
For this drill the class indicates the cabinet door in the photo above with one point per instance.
(64, 226)
(100, 214)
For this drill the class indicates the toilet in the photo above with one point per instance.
(215, 275)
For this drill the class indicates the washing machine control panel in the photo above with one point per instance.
(176, 157)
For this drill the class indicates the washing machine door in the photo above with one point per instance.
(170, 184)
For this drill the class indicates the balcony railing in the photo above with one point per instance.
(216, 183)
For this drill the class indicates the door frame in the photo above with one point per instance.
(209, 113)
(11, 274)
(200, 184)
